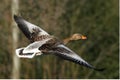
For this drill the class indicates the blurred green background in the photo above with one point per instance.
(97, 19)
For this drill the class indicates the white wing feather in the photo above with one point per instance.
(32, 26)
(72, 54)
(32, 48)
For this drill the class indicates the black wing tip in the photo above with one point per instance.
(102, 69)
(17, 18)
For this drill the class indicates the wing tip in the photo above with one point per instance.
(16, 18)
(97, 69)
(19, 53)
(92, 67)
(101, 69)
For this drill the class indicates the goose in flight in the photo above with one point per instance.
(44, 43)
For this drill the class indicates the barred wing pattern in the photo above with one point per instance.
(67, 54)
(28, 28)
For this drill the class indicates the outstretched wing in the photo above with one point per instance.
(28, 28)
(67, 54)
(31, 50)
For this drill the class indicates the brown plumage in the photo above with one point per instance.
(38, 38)
(43, 43)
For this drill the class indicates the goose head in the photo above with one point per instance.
(77, 36)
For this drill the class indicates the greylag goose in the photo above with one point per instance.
(43, 43)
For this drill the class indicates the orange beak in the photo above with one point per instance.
(84, 37)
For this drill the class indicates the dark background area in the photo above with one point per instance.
(97, 19)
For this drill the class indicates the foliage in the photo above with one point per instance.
(97, 19)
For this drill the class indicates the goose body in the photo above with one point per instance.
(44, 43)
